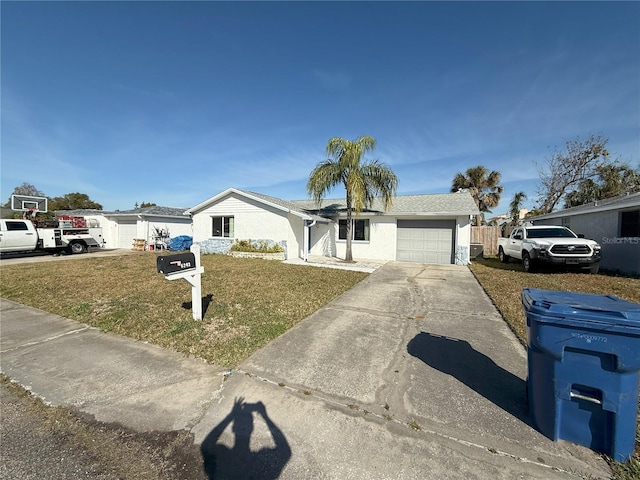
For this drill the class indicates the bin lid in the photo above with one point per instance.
(582, 307)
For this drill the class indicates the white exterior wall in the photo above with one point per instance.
(463, 238)
(382, 238)
(144, 227)
(175, 227)
(323, 239)
(295, 237)
(252, 220)
(381, 244)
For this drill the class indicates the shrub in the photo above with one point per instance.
(257, 246)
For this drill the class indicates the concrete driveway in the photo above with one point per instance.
(412, 374)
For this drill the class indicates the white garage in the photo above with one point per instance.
(120, 228)
(426, 241)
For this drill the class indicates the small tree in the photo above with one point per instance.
(482, 185)
(362, 179)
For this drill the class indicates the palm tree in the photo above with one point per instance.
(515, 206)
(362, 180)
(483, 186)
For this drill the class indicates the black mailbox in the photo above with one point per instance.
(176, 263)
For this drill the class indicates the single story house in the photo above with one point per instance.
(614, 223)
(121, 227)
(418, 228)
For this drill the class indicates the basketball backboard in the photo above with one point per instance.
(26, 203)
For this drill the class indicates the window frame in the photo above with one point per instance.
(366, 229)
(11, 224)
(227, 221)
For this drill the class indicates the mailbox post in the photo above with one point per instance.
(185, 266)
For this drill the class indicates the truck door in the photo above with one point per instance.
(16, 236)
(515, 243)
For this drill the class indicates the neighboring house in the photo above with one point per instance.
(121, 227)
(614, 223)
(418, 228)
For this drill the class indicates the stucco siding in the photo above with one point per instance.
(382, 239)
(381, 244)
(323, 239)
(295, 236)
(463, 240)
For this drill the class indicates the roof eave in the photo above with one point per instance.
(228, 191)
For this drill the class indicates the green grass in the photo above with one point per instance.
(504, 283)
(247, 302)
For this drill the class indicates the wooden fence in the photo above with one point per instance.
(488, 237)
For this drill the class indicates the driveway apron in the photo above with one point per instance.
(411, 374)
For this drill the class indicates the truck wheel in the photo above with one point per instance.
(77, 247)
(527, 263)
(501, 255)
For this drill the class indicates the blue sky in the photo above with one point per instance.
(173, 102)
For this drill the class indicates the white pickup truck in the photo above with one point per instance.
(550, 245)
(23, 236)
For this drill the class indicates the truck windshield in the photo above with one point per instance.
(549, 233)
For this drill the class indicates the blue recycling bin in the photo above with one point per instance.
(583, 368)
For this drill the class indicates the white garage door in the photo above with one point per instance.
(425, 241)
(127, 230)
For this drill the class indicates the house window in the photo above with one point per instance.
(360, 230)
(222, 227)
(630, 224)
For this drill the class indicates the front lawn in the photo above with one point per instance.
(246, 302)
(504, 284)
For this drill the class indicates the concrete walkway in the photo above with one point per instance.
(359, 265)
(411, 374)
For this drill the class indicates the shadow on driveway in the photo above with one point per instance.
(477, 371)
(240, 462)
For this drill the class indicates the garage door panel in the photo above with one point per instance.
(425, 241)
(127, 231)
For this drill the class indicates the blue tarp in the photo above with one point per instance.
(180, 243)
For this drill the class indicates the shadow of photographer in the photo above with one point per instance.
(239, 462)
(474, 369)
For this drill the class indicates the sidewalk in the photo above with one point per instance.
(411, 374)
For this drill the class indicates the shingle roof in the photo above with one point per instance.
(154, 211)
(451, 204)
(460, 203)
(623, 201)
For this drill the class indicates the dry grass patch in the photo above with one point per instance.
(246, 302)
(504, 284)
